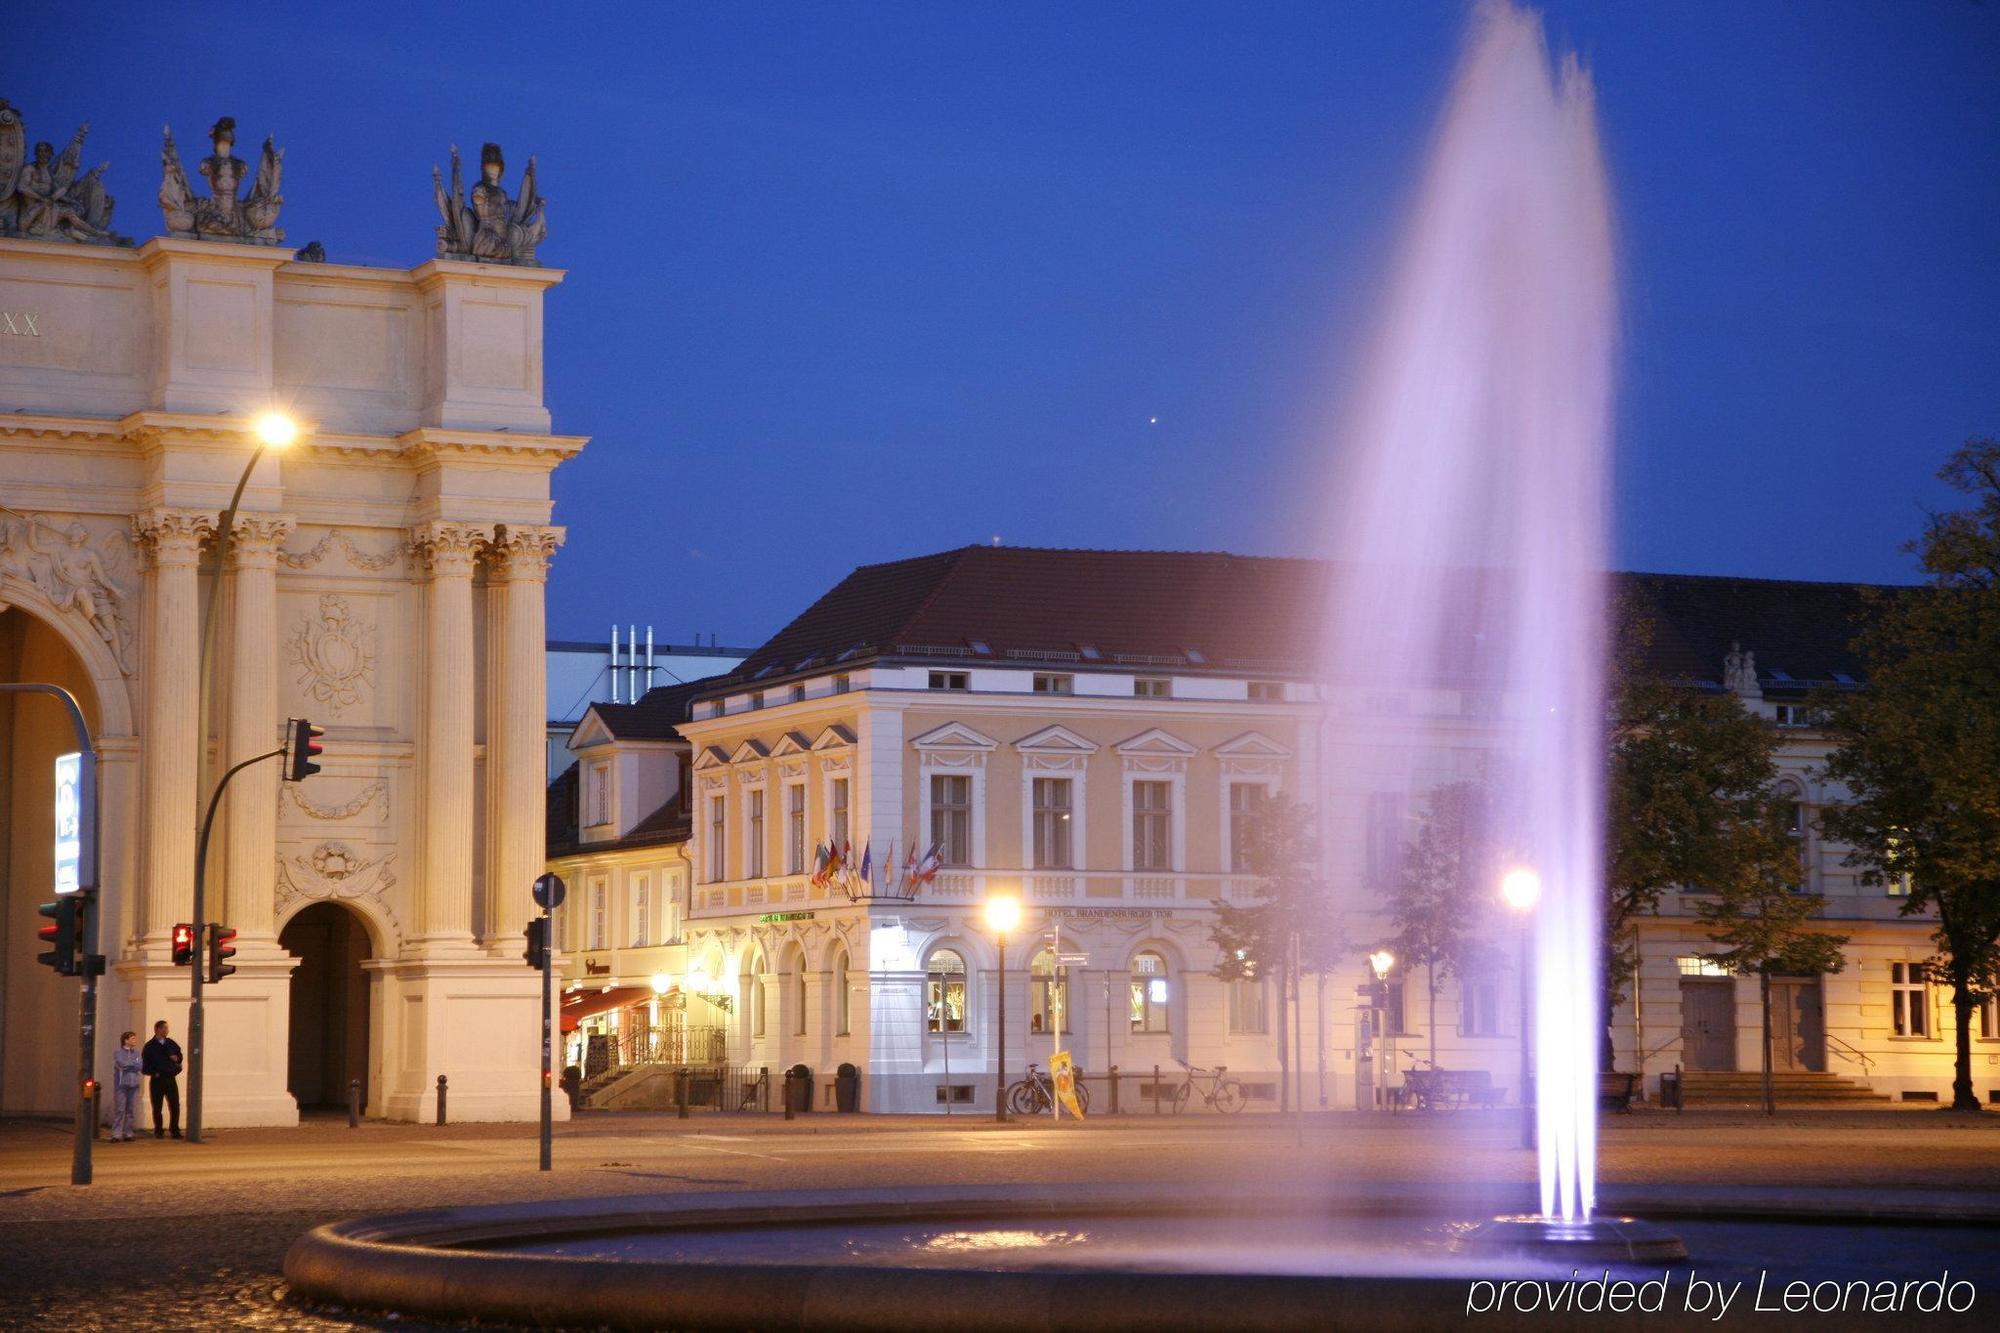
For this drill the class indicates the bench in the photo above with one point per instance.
(1448, 1089)
(1615, 1091)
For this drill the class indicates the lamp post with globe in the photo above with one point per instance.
(1380, 963)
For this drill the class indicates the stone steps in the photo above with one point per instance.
(1792, 1087)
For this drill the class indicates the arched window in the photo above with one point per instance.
(944, 992)
(1048, 994)
(843, 1002)
(756, 977)
(1150, 992)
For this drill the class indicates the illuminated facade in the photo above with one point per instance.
(385, 579)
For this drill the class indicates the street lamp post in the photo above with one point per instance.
(1379, 963)
(1003, 913)
(274, 430)
(1521, 887)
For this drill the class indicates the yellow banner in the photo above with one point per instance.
(1063, 1070)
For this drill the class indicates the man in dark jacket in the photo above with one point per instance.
(160, 1061)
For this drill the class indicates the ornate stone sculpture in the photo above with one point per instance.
(42, 198)
(73, 575)
(335, 654)
(223, 216)
(492, 229)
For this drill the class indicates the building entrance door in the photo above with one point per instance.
(329, 1029)
(1798, 1025)
(1708, 1024)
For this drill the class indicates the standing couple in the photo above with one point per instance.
(160, 1064)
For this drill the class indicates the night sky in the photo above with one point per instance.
(849, 282)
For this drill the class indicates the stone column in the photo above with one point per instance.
(171, 753)
(443, 910)
(517, 727)
(251, 691)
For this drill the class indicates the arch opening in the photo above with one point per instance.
(328, 1045)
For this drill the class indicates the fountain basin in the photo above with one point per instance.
(1091, 1257)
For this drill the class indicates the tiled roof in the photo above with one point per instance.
(656, 716)
(1027, 601)
(1212, 611)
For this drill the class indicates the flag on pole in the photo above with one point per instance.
(867, 861)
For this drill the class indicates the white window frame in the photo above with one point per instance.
(755, 833)
(1910, 1002)
(1149, 1006)
(797, 829)
(1173, 830)
(1269, 786)
(1251, 759)
(1239, 991)
(954, 749)
(718, 837)
(843, 999)
(1053, 682)
(598, 894)
(640, 892)
(1047, 990)
(839, 783)
(1155, 755)
(1056, 752)
(598, 795)
(937, 809)
(966, 1025)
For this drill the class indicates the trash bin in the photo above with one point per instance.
(1670, 1090)
(847, 1088)
(800, 1086)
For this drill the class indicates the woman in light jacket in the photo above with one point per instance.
(125, 1080)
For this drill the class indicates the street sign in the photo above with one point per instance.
(1073, 959)
(549, 892)
(74, 826)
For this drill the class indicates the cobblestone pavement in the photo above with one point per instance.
(175, 1235)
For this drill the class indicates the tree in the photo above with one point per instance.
(1687, 769)
(1289, 929)
(1450, 874)
(1919, 747)
(1758, 911)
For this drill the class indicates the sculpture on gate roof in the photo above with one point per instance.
(43, 197)
(490, 228)
(223, 216)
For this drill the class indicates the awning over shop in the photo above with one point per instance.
(580, 1005)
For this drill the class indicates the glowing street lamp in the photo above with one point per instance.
(1521, 889)
(1003, 913)
(1380, 962)
(274, 430)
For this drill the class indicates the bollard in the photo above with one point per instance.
(681, 1092)
(353, 1103)
(91, 1095)
(788, 1094)
(440, 1099)
(1156, 1091)
(763, 1087)
(1114, 1089)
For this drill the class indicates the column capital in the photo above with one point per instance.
(448, 550)
(255, 538)
(522, 551)
(172, 537)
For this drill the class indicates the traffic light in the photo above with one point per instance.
(304, 750)
(183, 944)
(537, 933)
(219, 950)
(61, 934)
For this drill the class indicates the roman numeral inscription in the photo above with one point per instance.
(19, 324)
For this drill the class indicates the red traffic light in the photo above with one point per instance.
(60, 934)
(183, 944)
(220, 951)
(303, 749)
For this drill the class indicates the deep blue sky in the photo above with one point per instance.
(855, 281)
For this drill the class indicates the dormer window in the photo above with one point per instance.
(597, 796)
(950, 680)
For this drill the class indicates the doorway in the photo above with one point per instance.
(1708, 1024)
(1798, 1025)
(329, 1027)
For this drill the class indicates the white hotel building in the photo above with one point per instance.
(1083, 729)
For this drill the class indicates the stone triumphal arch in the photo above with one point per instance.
(385, 578)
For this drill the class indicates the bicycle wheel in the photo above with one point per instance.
(1228, 1097)
(1021, 1098)
(1083, 1096)
(1182, 1095)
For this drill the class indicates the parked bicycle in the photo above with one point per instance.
(1036, 1094)
(1222, 1093)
